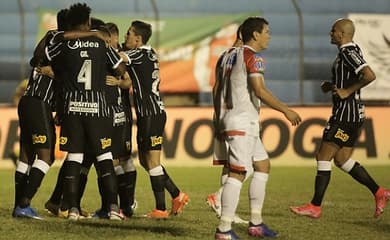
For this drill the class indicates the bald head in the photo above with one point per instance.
(346, 26)
(342, 31)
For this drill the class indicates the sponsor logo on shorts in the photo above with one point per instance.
(105, 142)
(156, 140)
(63, 140)
(341, 135)
(36, 139)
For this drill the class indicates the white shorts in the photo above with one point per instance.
(220, 153)
(244, 149)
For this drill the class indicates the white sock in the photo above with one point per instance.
(230, 197)
(257, 195)
(41, 165)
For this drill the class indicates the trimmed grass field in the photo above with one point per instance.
(347, 210)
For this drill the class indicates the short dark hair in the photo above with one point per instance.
(238, 33)
(78, 14)
(62, 22)
(113, 28)
(96, 23)
(251, 25)
(142, 28)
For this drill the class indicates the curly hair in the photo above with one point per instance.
(78, 14)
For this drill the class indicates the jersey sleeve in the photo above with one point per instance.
(353, 59)
(113, 58)
(53, 44)
(133, 56)
(254, 63)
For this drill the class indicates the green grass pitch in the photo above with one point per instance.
(347, 210)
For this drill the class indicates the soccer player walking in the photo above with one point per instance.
(241, 89)
(350, 73)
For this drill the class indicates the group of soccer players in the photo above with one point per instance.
(85, 77)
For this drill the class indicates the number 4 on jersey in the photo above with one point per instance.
(84, 75)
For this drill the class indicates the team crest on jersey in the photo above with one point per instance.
(259, 63)
(63, 140)
(340, 134)
(36, 139)
(105, 142)
(154, 140)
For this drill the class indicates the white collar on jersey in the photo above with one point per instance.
(147, 47)
(347, 45)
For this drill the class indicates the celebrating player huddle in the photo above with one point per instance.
(83, 76)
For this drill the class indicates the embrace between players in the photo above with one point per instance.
(82, 75)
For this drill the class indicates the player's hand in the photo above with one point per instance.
(45, 70)
(104, 37)
(112, 81)
(124, 57)
(293, 117)
(342, 93)
(327, 86)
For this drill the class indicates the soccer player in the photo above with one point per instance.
(37, 137)
(119, 99)
(237, 100)
(143, 68)
(80, 67)
(350, 73)
(220, 154)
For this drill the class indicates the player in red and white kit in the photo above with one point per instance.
(238, 100)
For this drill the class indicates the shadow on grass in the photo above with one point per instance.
(376, 225)
(140, 226)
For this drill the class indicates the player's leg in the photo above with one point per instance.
(124, 168)
(257, 191)
(359, 173)
(127, 176)
(42, 134)
(73, 141)
(100, 142)
(239, 160)
(328, 149)
(53, 204)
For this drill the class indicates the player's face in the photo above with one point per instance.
(131, 40)
(264, 37)
(114, 41)
(336, 34)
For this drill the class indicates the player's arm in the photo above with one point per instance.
(123, 82)
(365, 73)
(257, 83)
(75, 34)
(115, 62)
(46, 70)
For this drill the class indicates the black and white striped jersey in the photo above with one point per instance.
(81, 67)
(41, 87)
(345, 72)
(143, 68)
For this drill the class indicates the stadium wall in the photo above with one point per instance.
(188, 136)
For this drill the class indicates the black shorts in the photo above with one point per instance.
(81, 134)
(343, 134)
(121, 138)
(36, 123)
(150, 131)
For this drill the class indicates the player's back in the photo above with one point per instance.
(82, 64)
